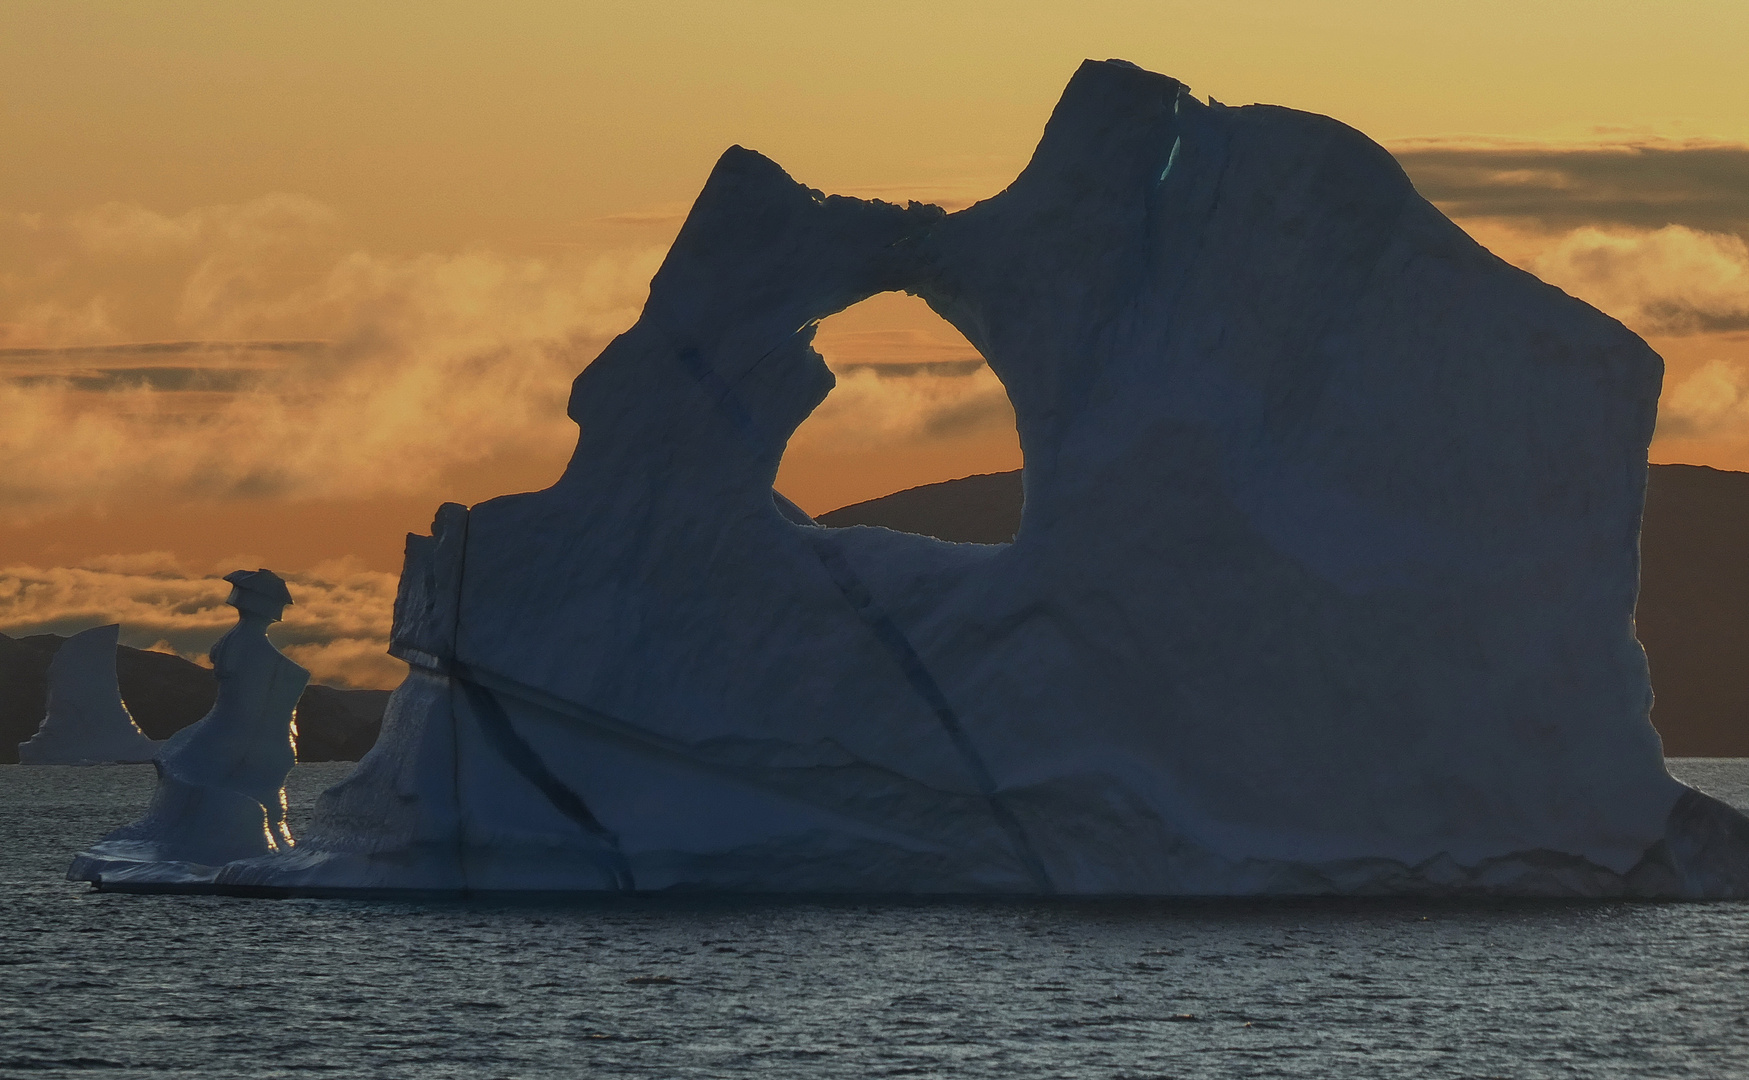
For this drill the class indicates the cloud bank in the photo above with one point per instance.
(902, 385)
(247, 352)
(296, 367)
(1645, 183)
(1669, 281)
(337, 627)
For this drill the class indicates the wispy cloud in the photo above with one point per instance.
(249, 352)
(301, 368)
(158, 349)
(1714, 401)
(901, 369)
(1673, 280)
(668, 214)
(870, 407)
(846, 349)
(269, 224)
(1639, 182)
(337, 627)
(901, 385)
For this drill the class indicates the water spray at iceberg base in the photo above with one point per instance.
(1324, 584)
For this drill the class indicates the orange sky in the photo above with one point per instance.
(440, 212)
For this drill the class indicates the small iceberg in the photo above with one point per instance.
(86, 723)
(221, 781)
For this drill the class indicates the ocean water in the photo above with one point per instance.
(119, 985)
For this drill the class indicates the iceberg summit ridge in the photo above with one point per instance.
(1324, 581)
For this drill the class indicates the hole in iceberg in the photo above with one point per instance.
(915, 404)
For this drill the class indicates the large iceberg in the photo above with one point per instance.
(87, 723)
(1324, 582)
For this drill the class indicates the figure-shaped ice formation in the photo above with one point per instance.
(1324, 581)
(86, 722)
(221, 780)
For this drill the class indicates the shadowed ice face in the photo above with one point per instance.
(250, 603)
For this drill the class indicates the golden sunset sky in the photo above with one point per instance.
(277, 279)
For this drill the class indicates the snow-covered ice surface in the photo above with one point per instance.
(1324, 582)
(86, 722)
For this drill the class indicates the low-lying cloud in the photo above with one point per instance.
(293, 366)
(247, 352)
(1714, 401)
(250, 352)
(1643, 183)
(870, 407)
(903, 386)
(1670, 281)
(337, 627)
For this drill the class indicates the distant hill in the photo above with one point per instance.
(167, 693)
(1693, 616)
(982, 509)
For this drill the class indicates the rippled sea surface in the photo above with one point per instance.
(212, 987)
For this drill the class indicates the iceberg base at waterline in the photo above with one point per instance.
(444, 810)
(447, 810)
(1324, 582)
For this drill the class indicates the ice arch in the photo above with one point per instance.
(914, 404)
(1324, 583)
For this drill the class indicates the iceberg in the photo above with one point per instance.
(1324, 582)
(221, 781)
(87, 722)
